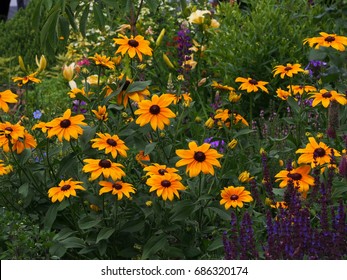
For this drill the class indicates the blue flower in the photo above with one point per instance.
(37, 114)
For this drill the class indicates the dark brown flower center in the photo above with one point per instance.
(329, 39)
(65, 188)
(288, 68)
(199, 156)
(319, 152)
(294, 176)
(65, 123)
(111, 142)
(117, 186)
(9, 128)
(166, 183)
(126, 84)
(234, 197)
(133, 43)
(154, 109)
(105, 163)
(327, 94)
(162, 171)
(253, 82)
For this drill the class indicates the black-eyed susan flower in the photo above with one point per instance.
(155, 112)
(300, 89)
(5, 169)
(66, 188)
(226, 115)
(198, 159)
(327, 40)
(12, 131)
(111, 144)
(102, 60)
(66, 126)
(27, 142)
(222, 87)
(283, 94)
(160, 169)
(105, 167)
(251, 85)
(41, 125)
(31, 78)
(133, 46)
(101, 114)
(316, 153)
(118, 188)
(279, 205)
(142, 158)
(299, 177)
(166, 186)
(6, 97)
(73, 92)
(326, 96)
(234, 197)
(287, 70)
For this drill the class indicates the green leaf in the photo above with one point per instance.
(71, 18)
(221, 213)
(84, 20)
(88, 222)
(104, 233)
(181, 211)
(243, 132)
(134, 226)
(24, 156)
(98, 16)
(63, 234)
(215, 245)
(57, 251)
(73, 242)
(150, 147)
(154, 245)
(138, 86)
(293, 104)
(50, 216)
(24, 189)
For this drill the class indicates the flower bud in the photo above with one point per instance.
(232, 144)
(167, 61)
(41, 64)
(69, 71)
(209, 123)
(160, 37)
(21, 63)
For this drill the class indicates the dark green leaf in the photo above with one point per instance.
(98, 16)
(154, 245)
(221, 213)
(150, 147)
(88, 222)
(104, 233)
(50, 216)
(84, 20)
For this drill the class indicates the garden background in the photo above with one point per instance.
(174, 130)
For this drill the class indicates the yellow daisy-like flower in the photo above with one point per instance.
(223, 87)
(300, 89)
(326, 96)
(251, 85)
(111, 144)
(198, 159)
(102, 60)
(234, 197)
(142, 159)
(133, 46)
(327, 40)
(101, 114)
(41, 125)
(160, 169)
(14, 131)
(73, 92)
(105, 167)
(279, 204)
(64, 189)
(5, 169)
(24, 80)
(117, 188)
(166, 186)
(287, 70)
(226, 115)
(316, 153)
(155, 112)
(299, 177)
(24, 143)
(66, 126)
(245, 177)
(283, 94)
(6, 97)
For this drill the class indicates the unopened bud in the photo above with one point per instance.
(21, 63)
(160, 37)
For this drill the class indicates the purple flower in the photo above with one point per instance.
(216, 144)
(315, 68)
(37, 114)
(79, 106)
